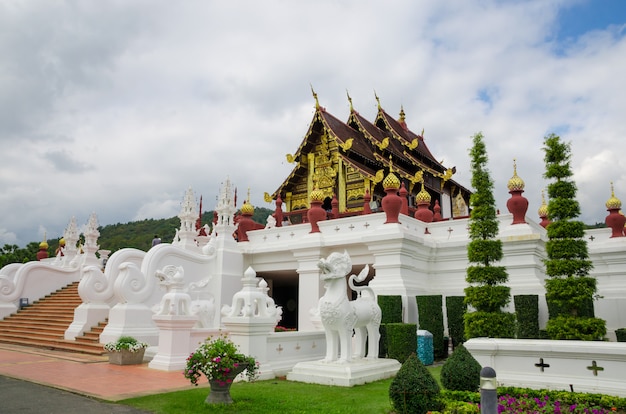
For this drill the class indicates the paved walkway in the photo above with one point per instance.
(90, 376)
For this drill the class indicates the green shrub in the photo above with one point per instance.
(414, 390)
(461, 371)
(490, 324)
(430, 311)
(570, 327)
(391, 307)
(382, 344)
(401, 340)
(455, 310)
(527, 313)
(620, 334)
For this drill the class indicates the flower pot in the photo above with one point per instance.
(220, 390)
(126, 357)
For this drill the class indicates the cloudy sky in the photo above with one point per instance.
(118, 107)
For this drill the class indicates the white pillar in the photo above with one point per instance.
(250, 334)
(174, 341)
(310, 288)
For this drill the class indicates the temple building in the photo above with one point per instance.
(348, 161)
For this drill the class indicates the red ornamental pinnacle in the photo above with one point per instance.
(366, 202)
(316, 212)
(543, 212)
(517, 204)
(392, 203)
(437, 209)
(423, 212)
(405, 201)
(278, 213)
(615, 220)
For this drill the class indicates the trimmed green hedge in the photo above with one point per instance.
(391, 307)
(620, 334)
(455, 309)
(527, 312)
(430, 311)
(401, 340)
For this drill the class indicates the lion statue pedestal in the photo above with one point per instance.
(346, 363)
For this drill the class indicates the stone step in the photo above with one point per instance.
(43, 323)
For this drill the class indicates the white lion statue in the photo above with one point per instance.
(340, 316)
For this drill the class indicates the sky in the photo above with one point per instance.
(118, 107)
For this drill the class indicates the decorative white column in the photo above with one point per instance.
(174, 341)
(251, 318)
(310, 288)
(91, 242)
(174, 321)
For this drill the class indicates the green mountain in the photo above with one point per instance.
(137, 234)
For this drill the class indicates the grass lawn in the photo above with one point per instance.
(276, 396)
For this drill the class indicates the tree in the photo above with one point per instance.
(486, 293)
(569, 290)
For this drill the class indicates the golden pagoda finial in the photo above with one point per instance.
(377, 99)
(613, 202)
(402, 115)
(543, 209)
(515, 183)
(349, 100)
(248, 195)
(317, 103)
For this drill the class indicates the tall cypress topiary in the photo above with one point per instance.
(569, 287)
(486, 293)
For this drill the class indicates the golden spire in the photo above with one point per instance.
(423, 196)
(316, 194)
(44, 243)
(613, 202)
(515, 183)
(391, 181)
(402, 119)
(247, 208)
(543, 209)
(317, 103)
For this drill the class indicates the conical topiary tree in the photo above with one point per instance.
(414, 390)
(569, 289)
(486, 294)
(461, 371)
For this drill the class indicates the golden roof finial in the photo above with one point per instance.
(377, 99)
(391, 181)
(402, 114)
(543, 209)
(613, 202)
(515, 183)
(349, 100)
(317, 103)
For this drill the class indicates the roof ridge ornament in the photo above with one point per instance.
(317, 102)
(350, 100)
(377, 99)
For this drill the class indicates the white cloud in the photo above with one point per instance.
(118, 107)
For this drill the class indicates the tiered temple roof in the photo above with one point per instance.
(348, 159)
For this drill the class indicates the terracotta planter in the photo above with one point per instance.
(125, 357)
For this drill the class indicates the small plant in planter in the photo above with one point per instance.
(126, 350)
(220, 361)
